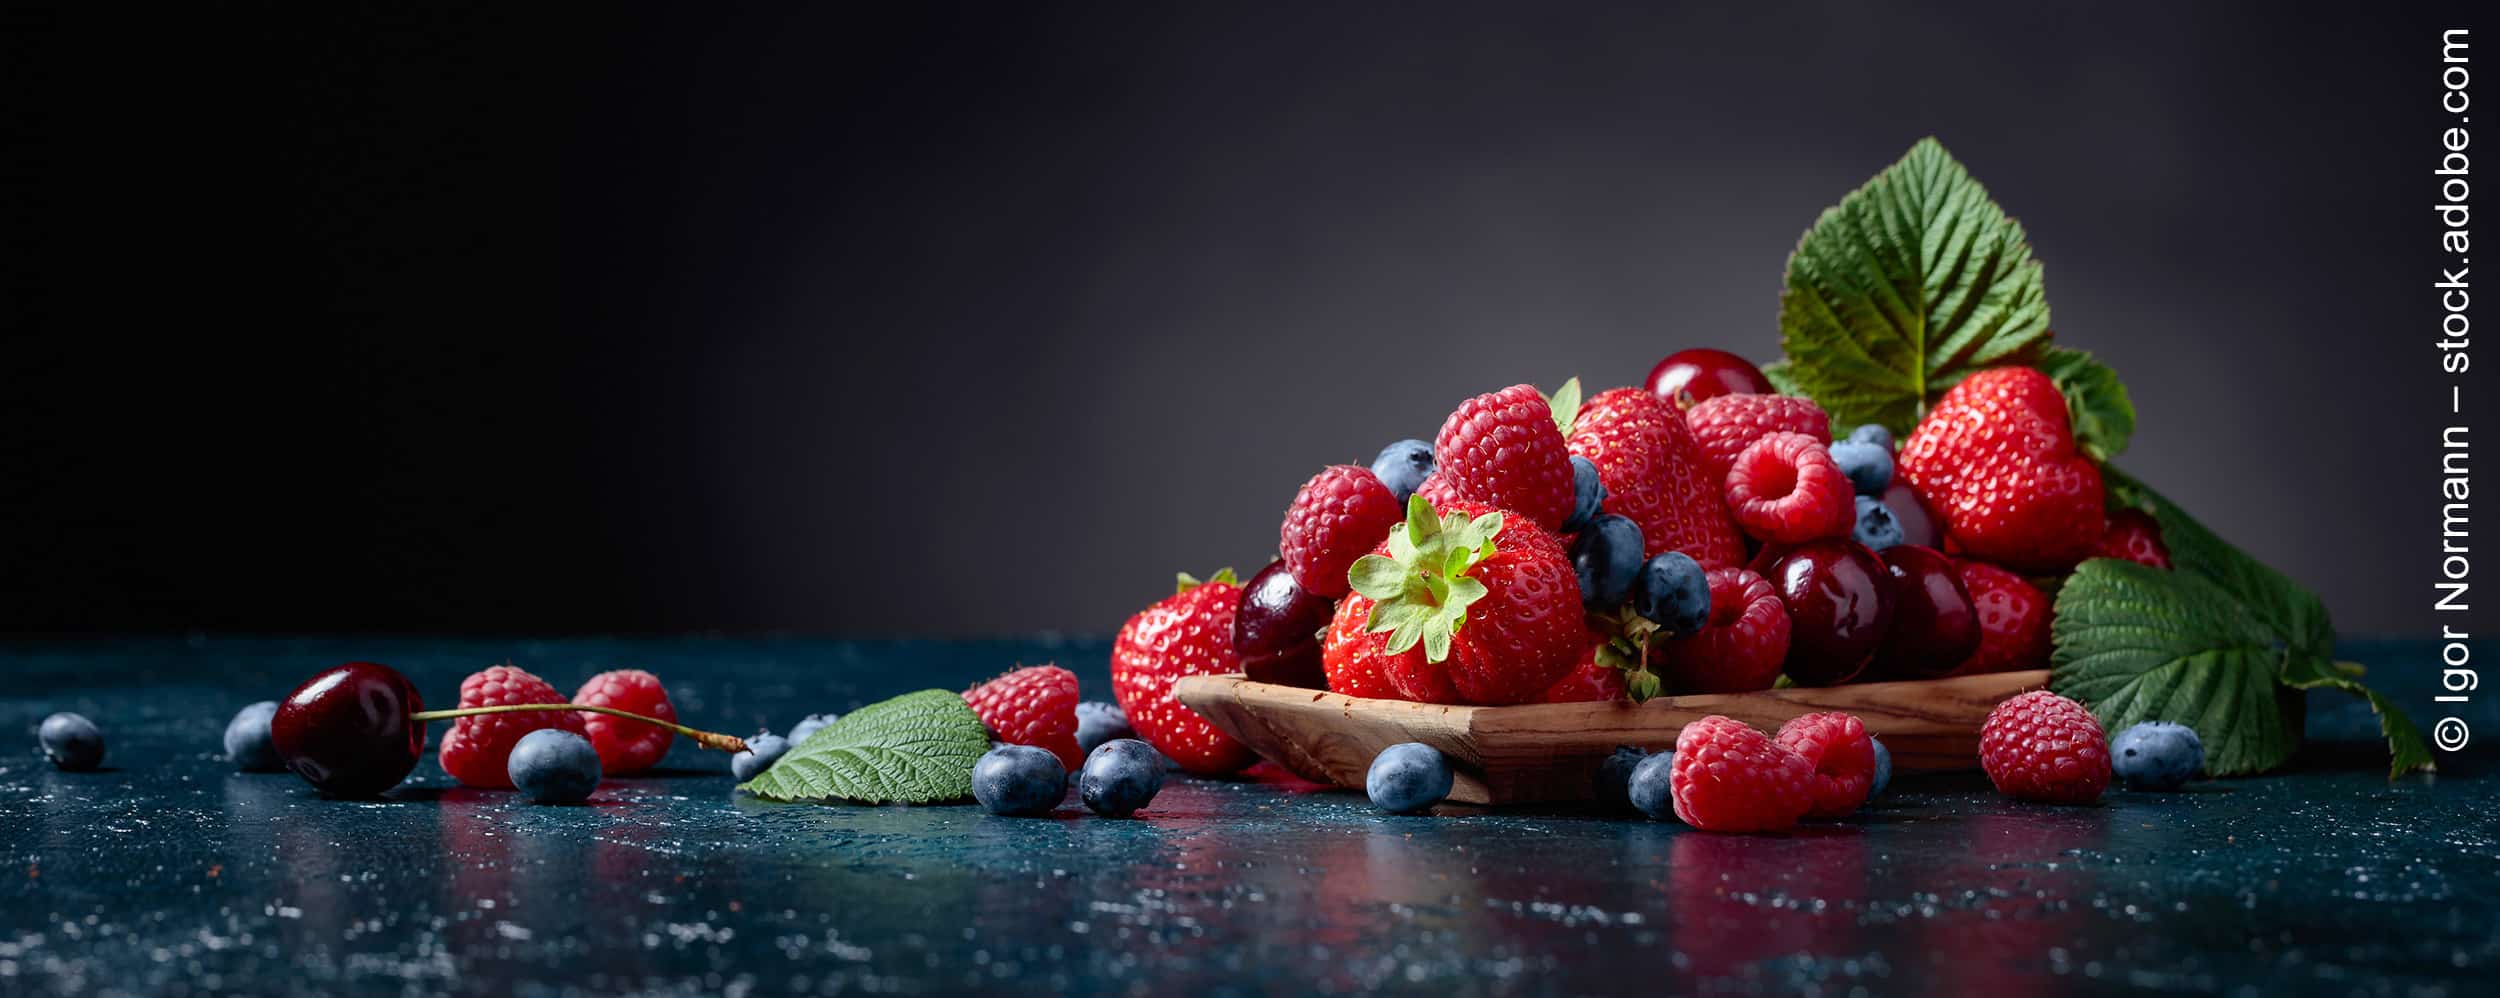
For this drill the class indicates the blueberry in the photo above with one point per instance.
(1877, 529)
(763, 749)
(1019, 780)
(73, 743)
(554, 766)
(1883, 764)
(1614, 777)
(1673, 593)
(1868, 466)
(1402, 466)
(248, 745)
(1407, 778)
(1871, 433)
(1119, 777)
(1098, 722)
(2157, 755)
(1651, 789)
(808, 725)
(1588, 495)
(1608, 557)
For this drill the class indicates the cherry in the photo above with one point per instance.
(1934, 625)
(1688, 376)
(1276, 632)
(1918, 526)
(347, 730)
(1839, 599)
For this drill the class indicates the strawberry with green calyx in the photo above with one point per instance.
(1189, 633)
(1489, 597)
(1629, 638)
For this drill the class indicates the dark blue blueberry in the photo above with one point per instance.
(1098, 722)
(1872, 434)
(1408, 778)
(808, 726)
(1883, 767)
(1402, 466)
(1608, 557)
(1869, 467)
(553, 766)
(764, 749)
(1651, 788)
(1876, 528)
(73, 743)
(1614, 778)
(1673, 593)
(1124, 774)
(248, 744)
(1588, 495)
(2157, 755)
(1019, 780)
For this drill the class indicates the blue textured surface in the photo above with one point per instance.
(170, 873)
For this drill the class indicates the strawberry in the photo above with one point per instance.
(2014, 620)
(1488, 596)
(1996, 461)
(2134, 536)
(1726, 425)
(1653, 472)
(1505, 449)
(1340, 514)
(1592, 681)
(1189, 633)
(1354, 657)
(1036, 706)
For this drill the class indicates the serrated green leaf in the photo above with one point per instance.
(1565, 403)
(2136, 643)
(2407, 751)
(1782, 381)
(2293, 613)
(1377, 577)
(1910, 283)
(917, 748)
(2096, 401)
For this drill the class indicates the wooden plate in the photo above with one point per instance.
(1548, 752)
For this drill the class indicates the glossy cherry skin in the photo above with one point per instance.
(1276, 632)
(1688, 376)
(1918, 526)
(1839, 599)
(1934, 624)
(346, 731)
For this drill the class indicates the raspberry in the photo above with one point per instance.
(2014, 620)
(2134, 536)
(1729, 777)
(1036, 706)
(2043, 747)
(1503, 449)
(478, 748)
(1337, 517)
(1726, 425)
(627, 746)
(1786, 489)
(1437, 490)
(1843, 757)
(1741, 649)
(1996, 461)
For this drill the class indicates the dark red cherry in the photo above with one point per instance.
(1839, 601)
(1918, 526)
(1688, 376)
(347, 732)
(1276, 632)
(1934, 626)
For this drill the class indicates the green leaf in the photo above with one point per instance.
(1420, 590)
(1782, 381)
(2294, 614)
(1566, 405)
(2136, 643)
(1377, 577)
(2407, 751)
(917, 748)
(2096, 402)
(1910, 283)
(1187, 582)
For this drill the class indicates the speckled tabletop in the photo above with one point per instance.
(169, 873)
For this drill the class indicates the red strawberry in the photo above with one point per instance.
(1353, 657)
(1588, 682)
(2013, 620)
(2134, 536)
(1843, 757)
(1339, 515)
(1726, 425)
(1996, 461)
(1189, 633)
(1497, 614)
(1653, 473)
(1504, 449)
(627, 746)
(2043, 747)
(478, 748)
(1786, 489)
(1741, 649)
(1036, 706)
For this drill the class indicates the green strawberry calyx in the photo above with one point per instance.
(1566, 405)
(1187, 582)
(1420, 590)
(1629, 637)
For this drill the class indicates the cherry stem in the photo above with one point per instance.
(708, 739)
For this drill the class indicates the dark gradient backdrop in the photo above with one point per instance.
(952, 320)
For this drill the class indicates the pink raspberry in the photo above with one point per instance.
(1786, 489)
(477, 748)
(627, 746)
(1339, 516)
(1726, 425)
(1728, 777)
(1741, 649)
(2043, 747)
(1843, 757)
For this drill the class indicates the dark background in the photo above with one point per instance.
(969, 320)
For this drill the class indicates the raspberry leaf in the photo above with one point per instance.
(917, 748)
(1910, 283)
(2096, 402)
